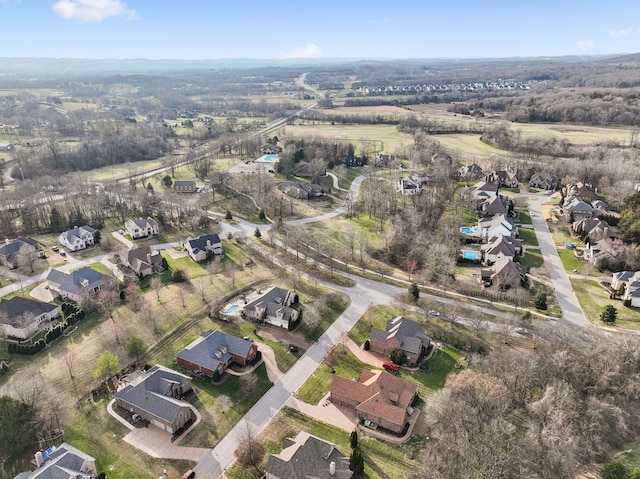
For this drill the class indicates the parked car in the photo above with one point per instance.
(247, 338)
(389, 366)
(62, 253)
(433, 312)
(190, 474)
(55, 248)
(368, 423)
(293, 348)
(136, 418)
(521, 331)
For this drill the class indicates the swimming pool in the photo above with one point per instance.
(471, 255)
(270, 158)
(468, 231)
(231, 309)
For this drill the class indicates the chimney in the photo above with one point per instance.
(332, 468)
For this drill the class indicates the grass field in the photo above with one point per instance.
(468, 144)
(593, 298)
(386, 137)
(569, 260)
(528, 236)
(532, 258)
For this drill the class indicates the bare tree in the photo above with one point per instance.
(248, 384)
(133, 295)
(251, 451)
(201, 287)
(155, 284)
(70, 362)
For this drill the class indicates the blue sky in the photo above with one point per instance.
(213, 29)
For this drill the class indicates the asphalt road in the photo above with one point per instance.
(571, 310)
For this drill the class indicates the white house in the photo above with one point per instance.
(198, 248)
(78, 238)
(142, 228)
(409, 187)
(493, 226)
(273, 307)
(21, 317)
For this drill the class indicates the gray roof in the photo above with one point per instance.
(9, 250)
(148, 393)
(184, 183)
(272, 301)
(63, 463)
(306, 457)
(200, 243)
(143, 256)
(72, 282)
(77, 232)
(410, 334)
(20, 312)
(143, 223)
(213, 348)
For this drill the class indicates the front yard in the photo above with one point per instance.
(593, 298)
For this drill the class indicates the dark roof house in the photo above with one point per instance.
(156, 395)
(77, 283)
(401, 333)
(305, 456)
(64, 462)
(215, 351)
(20, 317)
(12, 251)
(143, 260)
(273, 307)
(197, 248)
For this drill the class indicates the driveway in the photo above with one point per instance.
(571, 310)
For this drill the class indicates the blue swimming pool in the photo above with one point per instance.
(270, 158)
(231, 309)
(466, 230)
(472, 255)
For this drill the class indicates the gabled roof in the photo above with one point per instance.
(493, 222)
(142, 257)
(213, 348)
(77, 232)
(573, 203)
(502, 244)
(408, 333)
(64, 462)
(72, 282)
(148, 392)
(20, 312)
(494, 206)
(200, 243)
(9, 250)
(378, 393)
(273, 302)
(506, 267)
(143, 222)
(308, 457)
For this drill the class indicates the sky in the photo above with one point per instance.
(280, 29)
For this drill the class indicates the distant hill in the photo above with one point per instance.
(631, 58)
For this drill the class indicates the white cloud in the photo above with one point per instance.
(586, 44)
(92, 10)
(624, 32)
(310, 50)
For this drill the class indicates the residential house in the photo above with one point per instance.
(383, 159)
(310, 170)
(603, 252)
(493, 206)
(21, 317)
(576, 208)
(404, 334)
(620, 279)
(632, 295)
(198, 248)
(216, 351)
(506, 178)
(6, 146)
(157, 396)
(350, 161)
(593, 229)
(584, 191)
(493, 226)
(13, 252)
(376, 396)
(142, 228)
(78, 283)
(471, 171)
(483, 190)
(62, 462)
(508, 275)
(34, 142)
(501, 247)
(300, 190)
(422, 177)
(273, 307)
(143, 260)
(599, 208)
(443, 159)
(78, 238)
(545, 181)
(305, 456)
(271, 149)
(409, 187)
(185, 186)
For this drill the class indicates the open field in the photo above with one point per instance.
(386, 137)
(468, 144)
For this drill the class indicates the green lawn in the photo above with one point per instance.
(525, 218)
(569, 260)
(593, 298)
(532, 258)
(528, 236)
(562, 235)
